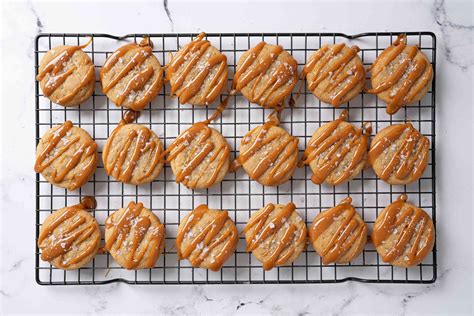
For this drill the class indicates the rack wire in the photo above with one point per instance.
(236, 193)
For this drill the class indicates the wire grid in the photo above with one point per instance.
(236, 193)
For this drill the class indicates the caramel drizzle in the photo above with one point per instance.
(341, 81)
(57, 78)
(413, 222)
(75, 234)
(86, 150)
(408, 159)
(412, 75)
(346, 234)
(282, 253)
(337, 145)
(207, 239)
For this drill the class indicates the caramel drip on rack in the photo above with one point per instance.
(211, 236)
(410, 75)
(407, 223)
(146, 236)
(261, 232)
(349, 231)
(50, 154)
(409, 159)
(336, 144)
(77, 232)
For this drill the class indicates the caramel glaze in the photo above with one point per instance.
(74, 235)
(337, 145)
(348, 233)
(139, 245)
(340, 82)
(288, 243)
(409, 159)
(58, 74)
(410, 75)
(410, 223)
(210, 237)
(193, 52)
(86, 150)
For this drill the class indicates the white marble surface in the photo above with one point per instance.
(453, 24)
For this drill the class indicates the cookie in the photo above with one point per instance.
(338, 234)
(276, 235)
(266, 75)
(199, 157)
(337, 151)
(403, 234)
(70, 237)
(399, 154)
(197, 73)
(132, 76)
(335, 74)
(66, 156)
(401, 74)
(134, 237)
(207, 238)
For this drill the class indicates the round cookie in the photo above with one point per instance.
(399, 154)
(66, 156)
(266, 74)
(403, 234)
(197, 73)
(276, 235)
(207, 238)
(337, 151)
(132, 76)
(66, 75)
(134, 236)
(339, 234)
(199, 157)
(401, 74)
(335, 73)
(70, 237)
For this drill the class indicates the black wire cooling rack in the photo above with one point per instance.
(237, 193)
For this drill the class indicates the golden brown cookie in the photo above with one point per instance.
(403, 234)
(132, 76)
(70, 237)
(401, 74)
(276, 235)
(338, 234)
(197, 72)
(66, 156)
(66, 75)
(207, 238)
(337, 151)
(335, 73)
(399, 154)
(266, 74)
(134, 236)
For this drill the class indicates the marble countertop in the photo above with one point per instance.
(453, 24)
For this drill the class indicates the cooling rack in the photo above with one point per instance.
(237, 193)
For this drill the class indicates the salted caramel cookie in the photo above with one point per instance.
(401, 74)
(276, 235)
(70, 237)
(266, 74)
(339, 234)
(399, 154)
(66, 156)
(403, 234)
(335, 73)
(207, 238)
(337, 151)
(132, 76)
(66, 75)
(197, 73)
